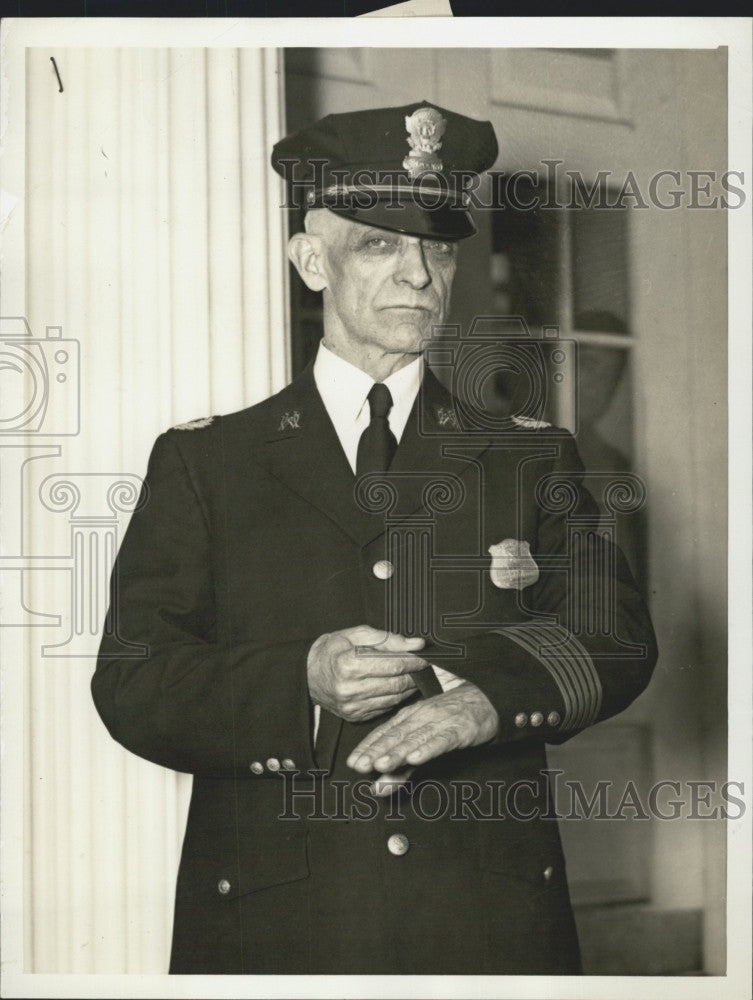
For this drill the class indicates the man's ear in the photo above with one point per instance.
(306, 253)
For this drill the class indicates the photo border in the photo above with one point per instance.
(619, 33)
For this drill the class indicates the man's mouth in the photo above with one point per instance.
(409, 308)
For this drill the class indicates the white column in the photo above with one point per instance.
(265, 302)
(155, 238)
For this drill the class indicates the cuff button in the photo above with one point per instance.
(553, 719)
(273, 764)
(288, 764)
(536, 718)
(256, 767)
(521, 719)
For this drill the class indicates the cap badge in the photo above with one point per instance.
(425, 128)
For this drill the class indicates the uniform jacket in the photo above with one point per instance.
(252, 539)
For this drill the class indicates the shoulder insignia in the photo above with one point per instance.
(529, 423)
(447, 417)
(194, 425)
(291, 420)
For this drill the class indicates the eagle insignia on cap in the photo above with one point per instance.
(425, 128)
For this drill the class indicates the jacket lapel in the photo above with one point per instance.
(433, 449)
(303, 451)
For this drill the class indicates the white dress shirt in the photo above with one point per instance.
(344, 390)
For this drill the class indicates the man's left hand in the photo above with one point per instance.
(461, 717)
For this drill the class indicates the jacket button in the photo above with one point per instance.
(273, 764)
(536, 718)
(383, 569)
(548, 872)
(288, 764)
(256, 767)
(521, 719)
(398, 844)
(553, 719)
(223, 886)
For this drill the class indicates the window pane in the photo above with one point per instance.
(599, 263)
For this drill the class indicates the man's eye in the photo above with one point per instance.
(377, 241)
(440, 247)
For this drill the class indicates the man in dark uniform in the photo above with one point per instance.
(364, 614)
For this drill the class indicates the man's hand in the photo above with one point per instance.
(357, 683)
(462, 717)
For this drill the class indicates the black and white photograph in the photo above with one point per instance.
(376, 507)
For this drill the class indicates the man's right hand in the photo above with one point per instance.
(356, 683)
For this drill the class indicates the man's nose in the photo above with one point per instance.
(412, 267)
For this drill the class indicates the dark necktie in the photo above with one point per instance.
(378, 444)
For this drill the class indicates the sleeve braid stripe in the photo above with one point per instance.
(569, 665)
(529, 638)
(583, 665)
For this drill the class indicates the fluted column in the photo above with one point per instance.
(155, 241)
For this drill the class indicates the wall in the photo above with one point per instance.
(152, 240)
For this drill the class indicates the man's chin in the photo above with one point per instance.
(411, 336)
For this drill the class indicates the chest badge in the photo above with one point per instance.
(513, 567)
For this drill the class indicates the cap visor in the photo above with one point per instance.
(443, 222)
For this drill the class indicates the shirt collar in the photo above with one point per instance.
(344, 387)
